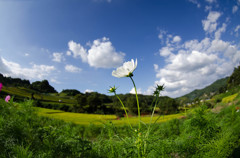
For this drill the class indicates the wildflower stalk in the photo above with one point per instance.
(156, 93)
(156, 102)
(148, 131)
(139, 118)
(127, 71)
(139, 114)
(123, 109)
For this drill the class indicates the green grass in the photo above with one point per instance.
(28, 131)
(86, 119)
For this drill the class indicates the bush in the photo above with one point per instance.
(23, 134)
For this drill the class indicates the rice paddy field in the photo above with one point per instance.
(86, 119)
(21, 92)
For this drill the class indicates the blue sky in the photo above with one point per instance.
(76, 44)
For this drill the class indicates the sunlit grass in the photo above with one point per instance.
(146, 119)
(77, 118)
(86, 119)
(229, 98)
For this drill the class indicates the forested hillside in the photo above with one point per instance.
(39, 86)
(71, 100)
(216, 87)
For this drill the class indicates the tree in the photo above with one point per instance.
(167, 105)
(131, 104)
(94, 102)
(81, 102)
(43, 87)
(17, 82)
(71, 92)
(234, 79)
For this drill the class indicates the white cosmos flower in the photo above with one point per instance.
(126, 70)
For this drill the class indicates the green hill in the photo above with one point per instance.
(216, 87)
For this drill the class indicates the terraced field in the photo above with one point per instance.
(86, 119)
(22, 93)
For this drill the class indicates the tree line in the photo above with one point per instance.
(94, 102)
(103, 104)
(40, 86)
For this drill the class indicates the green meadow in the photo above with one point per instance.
(28, 131)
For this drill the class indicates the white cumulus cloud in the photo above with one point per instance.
(139, 91)
(166, 51)
(195, 2)
(211, 1)
(234, 9)
(210, 24)
(58, 57)
(109, 1)
(155, 67)
(176, 39)
(73, 69)
(77, 50)
(196, 63)
(101, 54)
(13, 69)
(88, 91)
(220, 31)
(237, 29)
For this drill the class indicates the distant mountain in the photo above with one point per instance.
(217, 87)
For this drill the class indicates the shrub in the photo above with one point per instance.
(23, 134)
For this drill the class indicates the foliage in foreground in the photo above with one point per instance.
(201, 134)
(22, 134)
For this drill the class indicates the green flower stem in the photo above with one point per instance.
(139, 118)
(156, 102)
(147, 134)
(157, 97)
(139, 114)
(124, 109)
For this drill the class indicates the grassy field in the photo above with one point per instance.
(86, 119)
(202, 133)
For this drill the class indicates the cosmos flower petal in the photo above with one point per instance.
(126, 70)
(7, 98)
(1, 86)
(135, 65)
